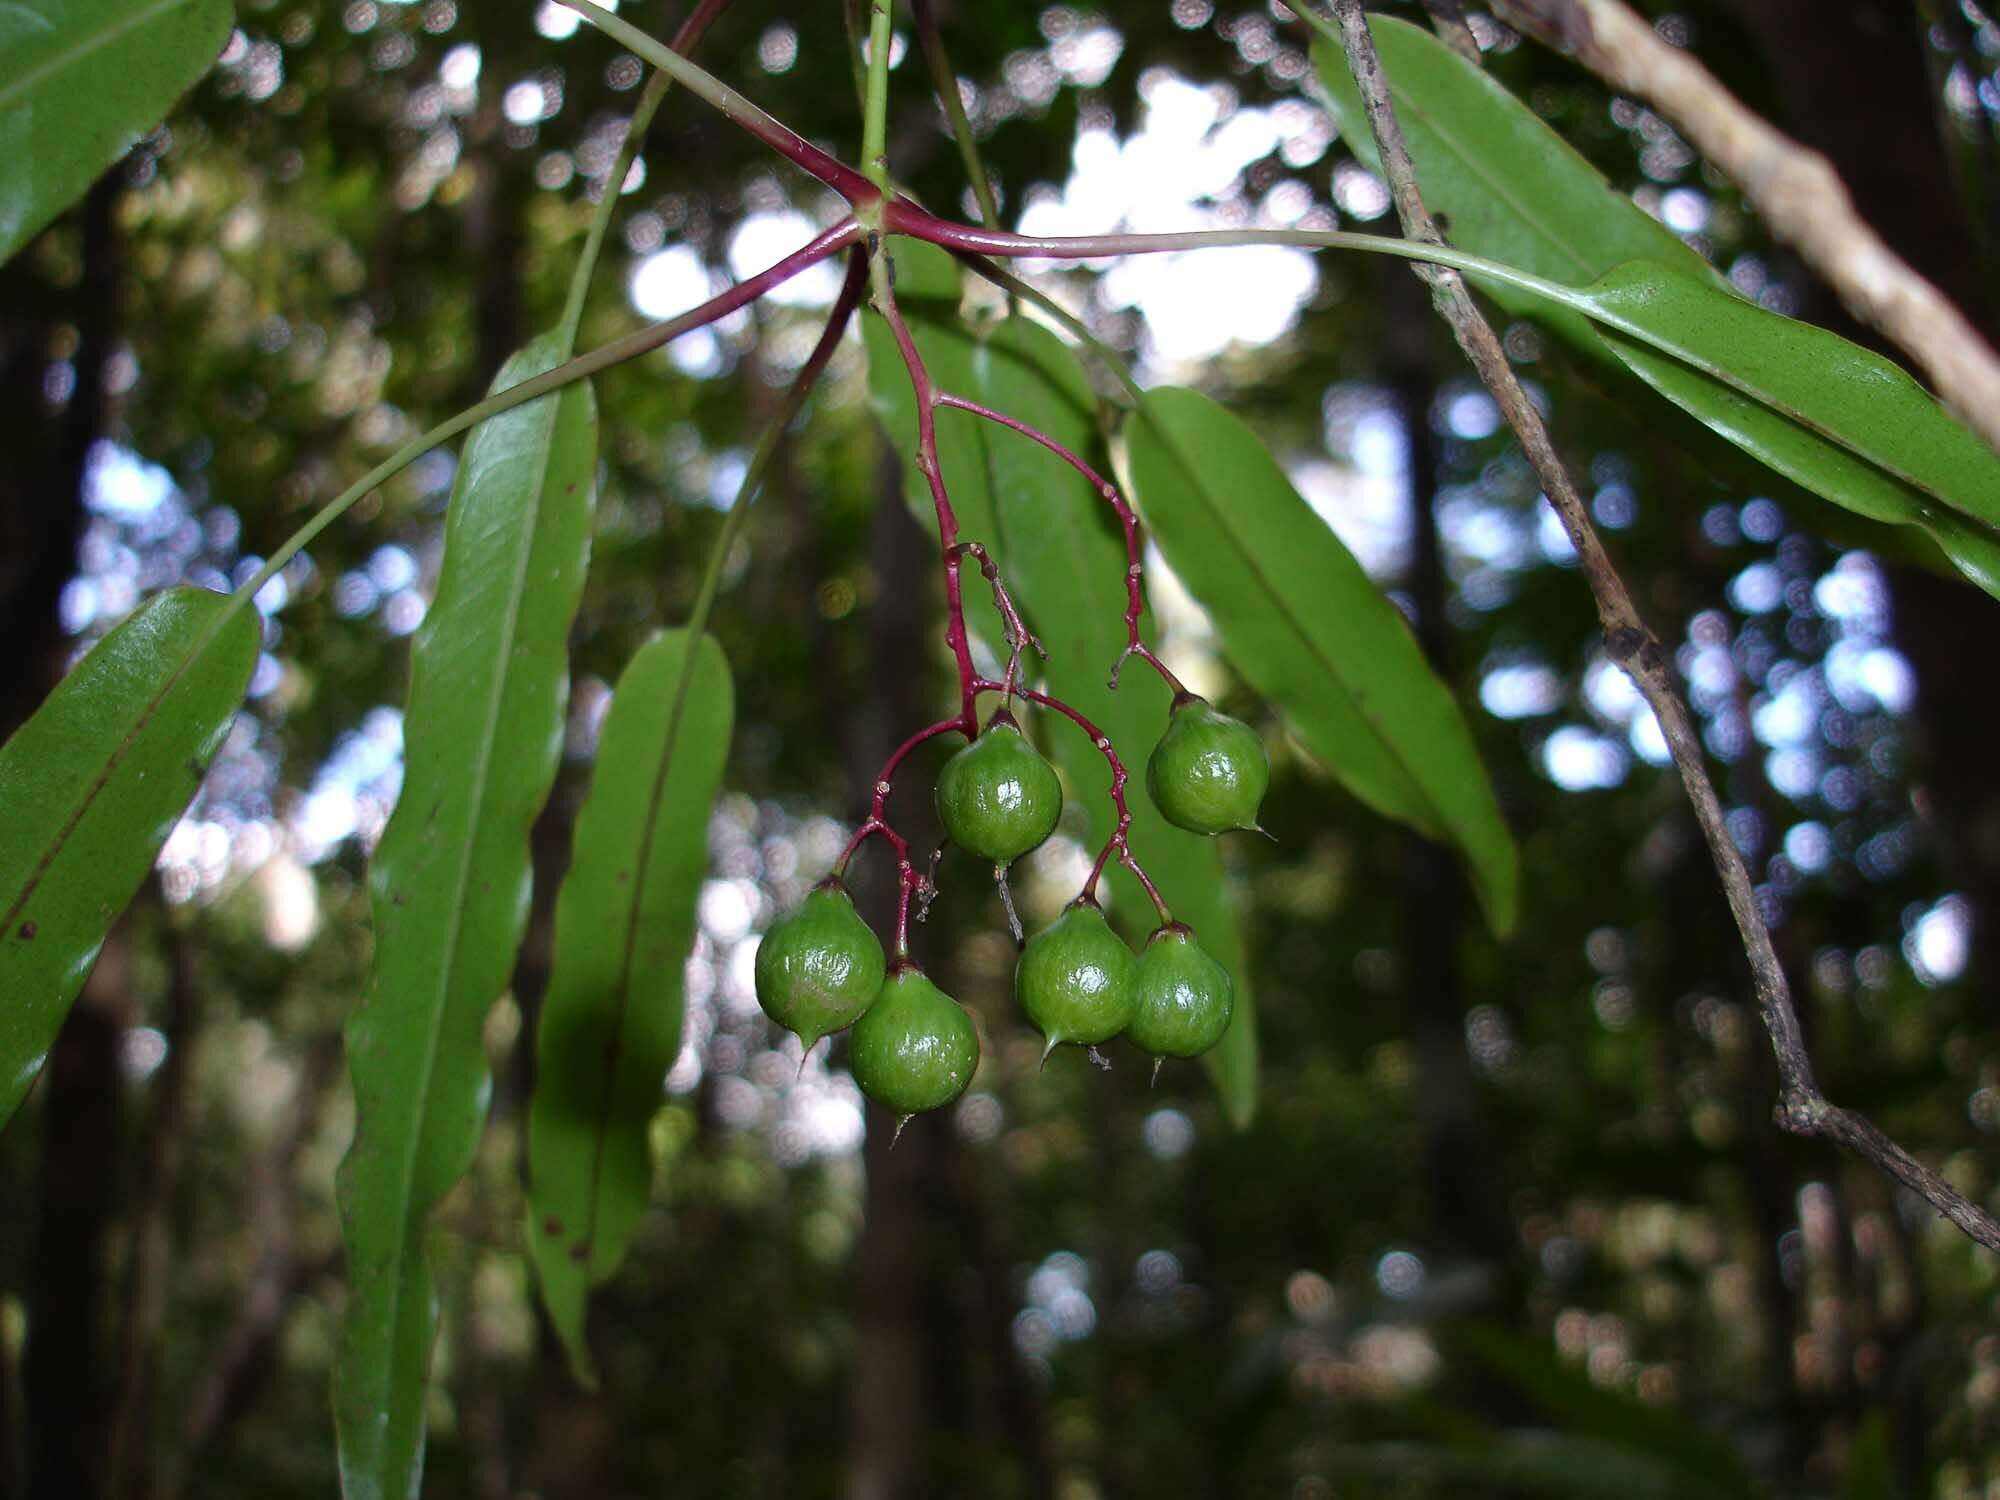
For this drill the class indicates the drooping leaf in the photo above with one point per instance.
(449, 889)
(80, 82)
(1837, 420)
(1312, 632)
(1501, 182)
(90, 787)
(1059, 549)
(611, 1021)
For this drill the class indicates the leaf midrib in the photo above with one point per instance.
(455, 930)
(205, 638)
(601, 1130)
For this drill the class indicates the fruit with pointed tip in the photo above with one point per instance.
(1182, 998)
(998, 798)
(915, 1048)
(820, 966)
(1074, 978)
(1209, 771)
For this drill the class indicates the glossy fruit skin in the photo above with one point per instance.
(820, 966)
(1209, 772)
(1182, 998)
(916, 1048)
(1074, 978)
(998, 798)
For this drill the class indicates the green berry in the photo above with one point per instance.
(1074, 979)
(1182, 997)
(916, 1048)
(1209, 771)
(998, 798)
(820, 966)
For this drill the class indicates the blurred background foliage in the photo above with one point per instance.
(1511, 1218)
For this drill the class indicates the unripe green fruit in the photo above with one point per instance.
(1209, 772)
(820, 966)
(1074, 979)
(1182, 998)
(998, 798)
(916, 1048)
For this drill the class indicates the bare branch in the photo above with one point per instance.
(1794, 189)
(1801, 1107)
(1448, 21)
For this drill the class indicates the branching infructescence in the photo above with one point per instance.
(928, 400)
(880, 212)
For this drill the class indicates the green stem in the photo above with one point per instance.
(767, 445)
(875, 106)
(579, 368)
(850, 12)
(781, 138)
(657, 88)
(945, 80)
(903, 217)
(1114, 362)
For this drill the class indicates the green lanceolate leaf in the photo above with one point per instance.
(80, 81)
(90, 787)
(611, 1021)
(449, 890)
(1833, 417)
(1502, 183)
(1310, 630)
(1060, 550)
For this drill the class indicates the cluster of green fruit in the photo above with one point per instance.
(821, 969)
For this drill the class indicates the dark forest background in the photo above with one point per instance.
(1511, 1218)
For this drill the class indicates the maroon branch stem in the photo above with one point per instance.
(1117, 843)
(926, 393)
(1013, 629)
(829, 169)
(1128, 521)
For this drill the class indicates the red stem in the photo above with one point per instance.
(1119, 775)
(901, 216)
(927, 463)
(1128, 521)
(698, 21)
(1012, 626)
(908, 881)
(830, 242)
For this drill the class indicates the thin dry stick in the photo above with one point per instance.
(1448, 21)
(1801, 1107)
(1794, 189)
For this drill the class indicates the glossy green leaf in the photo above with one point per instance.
(1312, 632)
(90, 787)
(611, 1021)
(1501, 183)
(1059, 548)
(449, 889)
(924, 272)
(1837, 420)
(80, 82)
